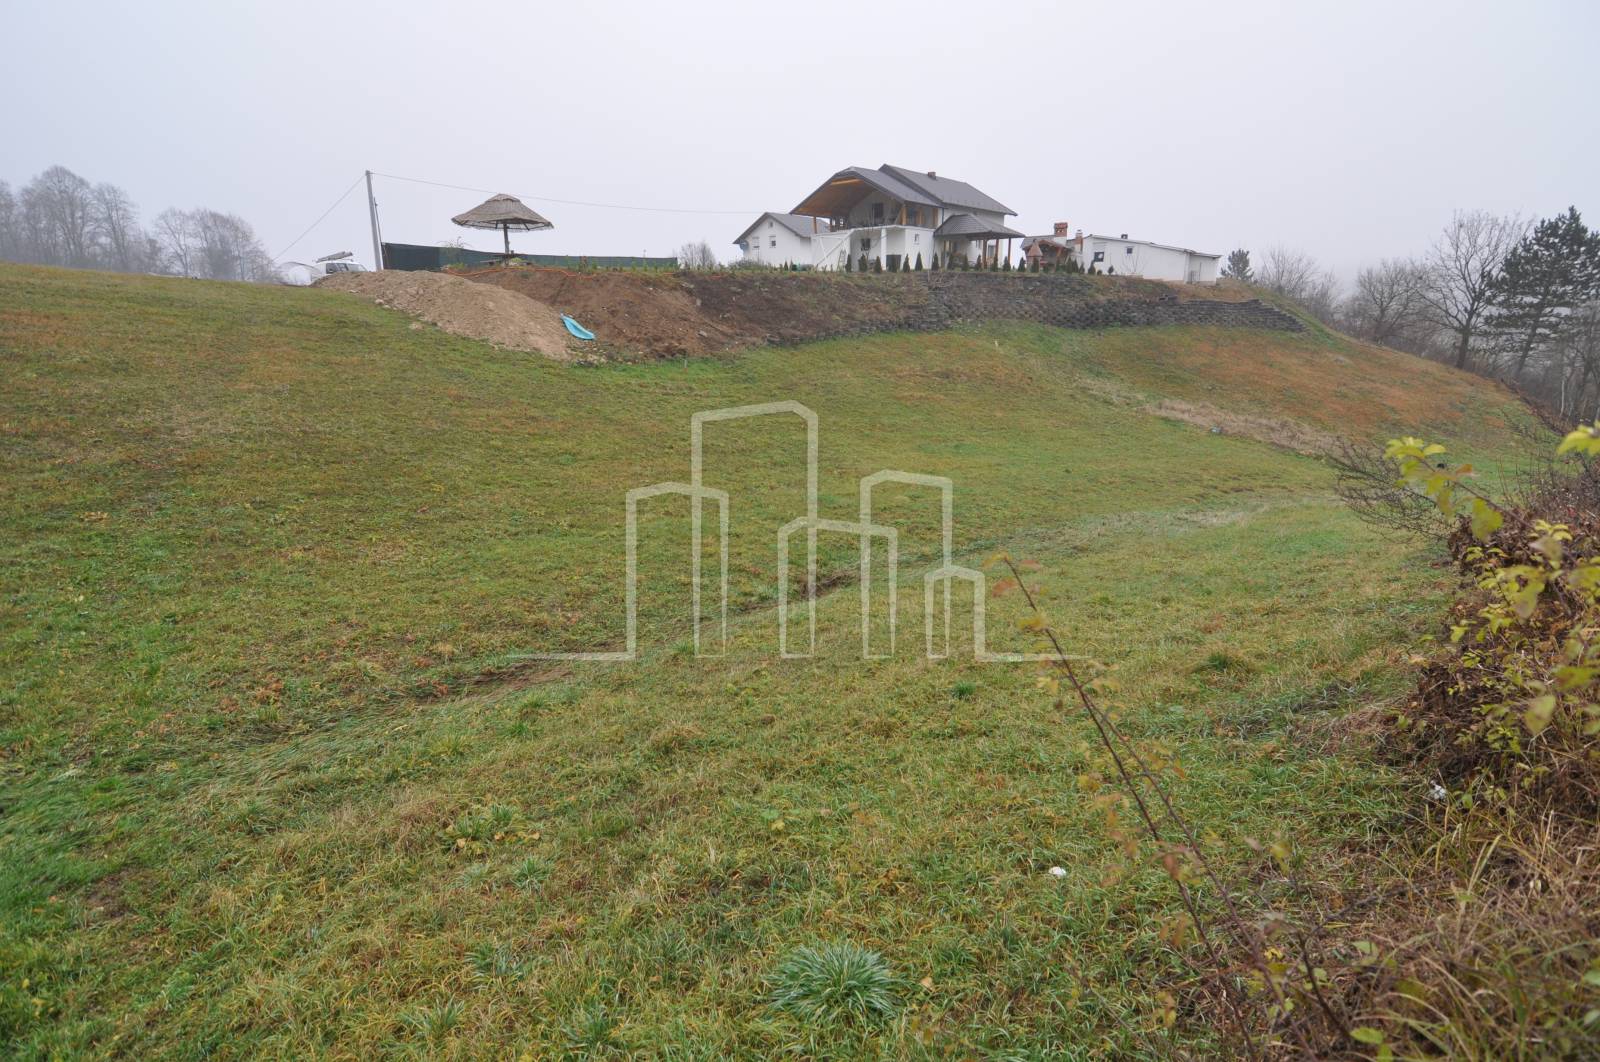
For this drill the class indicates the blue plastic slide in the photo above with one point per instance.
(575, 328)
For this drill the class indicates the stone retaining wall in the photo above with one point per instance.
(963, 297)
(936, 301)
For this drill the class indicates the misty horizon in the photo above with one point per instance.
(1350, 134)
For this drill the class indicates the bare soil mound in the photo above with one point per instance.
(648, 312)
(496, 315)
(687, 314)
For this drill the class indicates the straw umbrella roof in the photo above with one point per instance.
(504, 212)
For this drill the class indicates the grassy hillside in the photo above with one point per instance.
(274, 780)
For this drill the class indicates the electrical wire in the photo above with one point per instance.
(568, 202)
(321, 219)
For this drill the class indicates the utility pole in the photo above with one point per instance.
(372, 212)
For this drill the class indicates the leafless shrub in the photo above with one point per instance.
(697, 255)
(1297, 276)
(1365, 480)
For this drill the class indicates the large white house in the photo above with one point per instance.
(882, 217)
(1120, 256)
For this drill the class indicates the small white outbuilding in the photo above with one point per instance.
(1120, 256)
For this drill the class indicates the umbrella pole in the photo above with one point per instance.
(506, 231)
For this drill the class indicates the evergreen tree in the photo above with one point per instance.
(1549, 273)
(849, 266)
(1238, 266)
(919, 261)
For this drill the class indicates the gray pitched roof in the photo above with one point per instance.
(965, 225)
(892, 184)
(850, 185)
(799, 224)
(945, 191)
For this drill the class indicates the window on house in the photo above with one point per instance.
(877, 213)
(1129, 250)
(916, 237)
(1099, 256)
(774, 242)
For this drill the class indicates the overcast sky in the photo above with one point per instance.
(1347, 129)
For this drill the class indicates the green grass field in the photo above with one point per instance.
(274, 780)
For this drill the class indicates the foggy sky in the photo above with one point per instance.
(1348, 130)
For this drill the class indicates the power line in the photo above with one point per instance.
(319, 220)
(569, 202)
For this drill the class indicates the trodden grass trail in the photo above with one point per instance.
(276, 781)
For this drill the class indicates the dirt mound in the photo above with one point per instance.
(678, 314)
(496, 315)
(683, 314)
(648, 312)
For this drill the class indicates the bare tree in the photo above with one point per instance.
(38, 237)
(1460, 270)
(152, 255)
(1289, 273)
(1297, 276)
(116, 225)
(176, 234)
(1577, 350)
(10, 225)
(225, 247)
(65, 202)
(1387, 300)
(697, 255)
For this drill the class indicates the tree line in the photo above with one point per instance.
(61, 219)
(1493, 294)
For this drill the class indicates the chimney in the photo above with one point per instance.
(932, 174)
(1124, 236)
(1063, 227)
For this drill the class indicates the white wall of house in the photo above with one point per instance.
(1138, 259)
(877, 243)
(775, 245)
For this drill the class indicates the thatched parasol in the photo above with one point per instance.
(503, 212)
